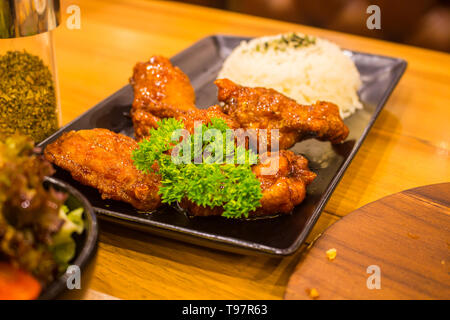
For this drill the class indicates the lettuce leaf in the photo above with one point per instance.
(64, 247)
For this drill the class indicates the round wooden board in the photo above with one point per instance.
(406, 235)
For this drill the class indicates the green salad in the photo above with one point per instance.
(63, 245)
(36, 224)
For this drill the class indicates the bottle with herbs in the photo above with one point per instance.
(29, 96)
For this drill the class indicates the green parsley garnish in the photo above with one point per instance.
(291, 40)
(215, 172)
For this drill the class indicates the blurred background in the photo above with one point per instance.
(423, 23)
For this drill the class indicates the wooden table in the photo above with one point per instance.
(409, 145)
(405, 236)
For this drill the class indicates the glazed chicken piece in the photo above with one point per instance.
(283, 176)
(158, 85)
(261, 108)
(102, 159)
(188, 117)
(162, 90)
(286, 187)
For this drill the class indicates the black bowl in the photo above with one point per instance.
(86, 244)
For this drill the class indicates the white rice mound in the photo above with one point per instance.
(319, 71)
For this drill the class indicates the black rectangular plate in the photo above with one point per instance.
(275, 236)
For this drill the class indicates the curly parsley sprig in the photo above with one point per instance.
(214, 182)
(153, 148)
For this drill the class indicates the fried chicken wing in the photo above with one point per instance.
(188, 117)
(102, 159)
(162, 90)
(158, 85)
(283, 177)
(286, 187)
(261, 108)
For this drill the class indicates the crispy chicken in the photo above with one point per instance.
(286, 187)
(188, 117)
(158, 85)
(102, 159)
(162, 90)
(156, 80)
(261, 108)
(283, 176)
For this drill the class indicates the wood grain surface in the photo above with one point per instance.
(406, 236)
(408, 146)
